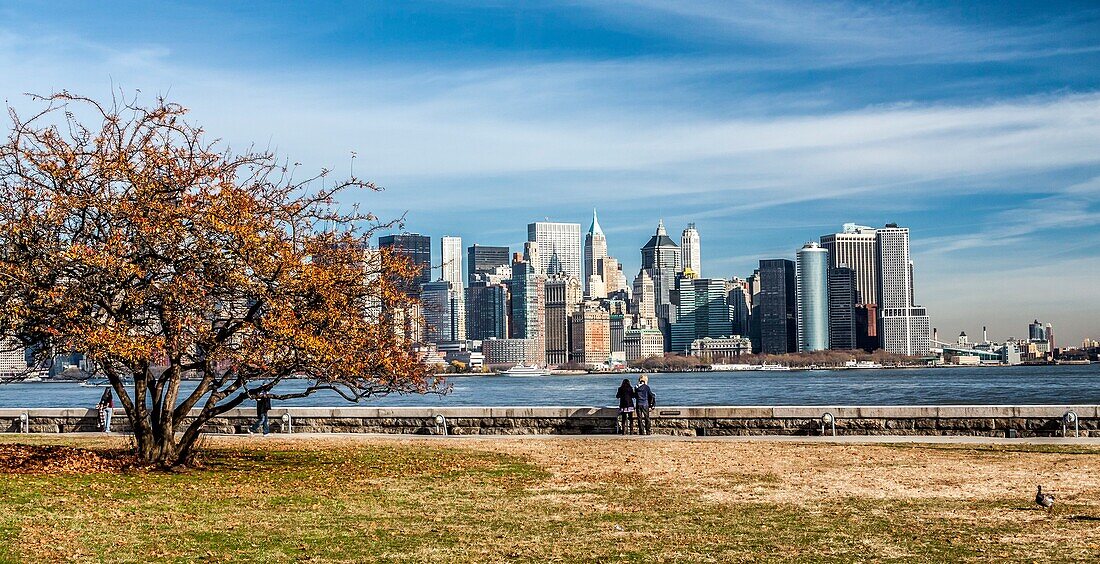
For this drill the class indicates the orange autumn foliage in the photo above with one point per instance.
(160, 255)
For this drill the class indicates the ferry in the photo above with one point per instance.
(730, 367)
(774, 367)
(524, 370)
(863, 364)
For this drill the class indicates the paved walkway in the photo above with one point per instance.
(841, 439)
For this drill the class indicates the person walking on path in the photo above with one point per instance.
(644, 400)
(106, 407)
(626, 407)
(263, 405)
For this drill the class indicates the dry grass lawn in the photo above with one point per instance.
(355, 499)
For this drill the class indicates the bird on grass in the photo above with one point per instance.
(1046, 501)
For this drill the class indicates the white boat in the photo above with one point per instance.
(524, 370)
(95, 383)
(863, 364)
(730, 367)
(774, 367)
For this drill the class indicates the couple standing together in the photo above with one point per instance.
(635, 400)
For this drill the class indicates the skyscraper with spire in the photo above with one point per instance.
(595, 253)
(691, 256)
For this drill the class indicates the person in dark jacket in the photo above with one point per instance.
(626, 407)
(106, 407)
(263, 405)
(644, 400)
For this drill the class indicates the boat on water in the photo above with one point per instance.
(730, 367)
(862, 364)
(524, 370)
(774, 367)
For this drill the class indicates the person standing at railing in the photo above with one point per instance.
(644, 400)
(625, 394)
(106, 407)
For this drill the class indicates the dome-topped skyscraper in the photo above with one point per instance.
(661, 260)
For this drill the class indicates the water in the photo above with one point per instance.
(939, 386)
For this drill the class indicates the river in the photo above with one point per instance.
(913, 386)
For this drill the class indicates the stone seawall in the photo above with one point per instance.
(982, 420)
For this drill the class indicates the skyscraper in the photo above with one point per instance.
(661, 260)
(739, 297)
(1035, 331)
(701, 311)
(842, 308)
(591, 328)
(563, 297)
(559, 248)
(595, 251)
(854, 248)
(13, 357)
(645, 299)
(903, 326)
(451, 254)
(444, 312)
(690, 253)
(486, 309)
(483, 259)
(418, 249)
(813, 298)
(776, 309)
(528, 302)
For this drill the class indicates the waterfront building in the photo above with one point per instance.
(528, 302)
(702, 311)
(595, 251)
(1050, 337)
(812, 295)
(13, 358)
(591, 335)
(559, 248)
(903, 326)
(444, 312)
(563, 298)
(661, 261)
(776, 310)
(499, 352)
(843, 299)
(482, 259)
(713, 349)
(487, 309)
(418, 249)
(643, 342)
(739, 299)
(855, 248)
(690, 253)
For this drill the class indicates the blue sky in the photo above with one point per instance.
(767, 123)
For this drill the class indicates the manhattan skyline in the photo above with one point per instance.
(766, 124)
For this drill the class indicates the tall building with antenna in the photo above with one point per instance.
(595, 253)
(691, 255)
